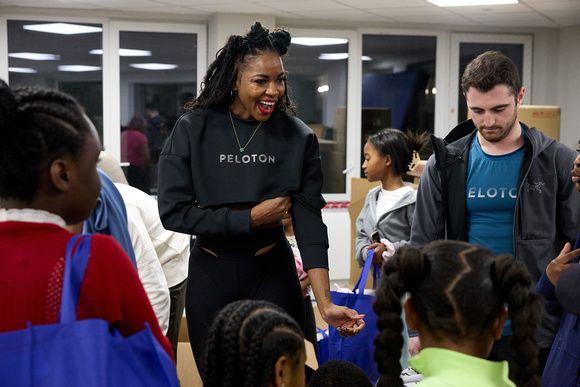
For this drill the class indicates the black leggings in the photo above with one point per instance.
(214, 282)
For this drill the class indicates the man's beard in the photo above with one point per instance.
(500, 132)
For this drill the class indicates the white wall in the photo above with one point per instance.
(338, 223)
(544, 71)
(568, 85)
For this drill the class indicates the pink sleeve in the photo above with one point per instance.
(299, 268)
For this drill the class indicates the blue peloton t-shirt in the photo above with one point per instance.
(491, 198)
(492, 187)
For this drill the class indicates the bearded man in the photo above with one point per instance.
(504, 186)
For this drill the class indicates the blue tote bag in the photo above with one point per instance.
(87, 353)
(357, 349)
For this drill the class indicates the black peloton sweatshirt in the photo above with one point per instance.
(202, 171)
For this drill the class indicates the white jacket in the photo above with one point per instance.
(149, 268)
(172, 248)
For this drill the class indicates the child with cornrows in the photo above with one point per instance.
(457, 301)
(48, 180)
(254, 344)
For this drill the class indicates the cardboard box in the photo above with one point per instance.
(186, 367)
(544, 118)
(359, 189)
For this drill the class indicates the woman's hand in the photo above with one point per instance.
(270, 212)
(346, 321)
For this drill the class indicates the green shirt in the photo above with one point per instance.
(443, 367)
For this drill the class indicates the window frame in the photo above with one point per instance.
(441, 67)
(353, 101)
(457, 38)
(104, 22)
(111, 60)
(112, 139)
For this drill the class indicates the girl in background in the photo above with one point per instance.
(458, 294)
(309, 319)
(384, 223)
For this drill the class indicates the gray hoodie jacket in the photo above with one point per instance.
(394, 225)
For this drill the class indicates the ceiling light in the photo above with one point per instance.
(323, 89)
(303, 41)
(333, 56)
(366, 58)
(24, 70)
(469, 3)
(34, 56)
(123, 52)
(153, 66)
(77, 68)
(62, 28)
(434, 91)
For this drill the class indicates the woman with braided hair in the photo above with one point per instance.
(254, 344)
(48, 179)
(235, 165)
(458, 295)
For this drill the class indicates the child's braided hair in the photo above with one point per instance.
(457, 290)
(246, 340)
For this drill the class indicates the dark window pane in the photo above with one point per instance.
(158, 75)
(318, 85)
(398, 89)
(59, 61)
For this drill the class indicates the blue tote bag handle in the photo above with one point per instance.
(359, 287)
(76, 258)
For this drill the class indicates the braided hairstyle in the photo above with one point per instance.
(399, 145)
(222, 74)
(37, 126)
(246, 340)
(457, 290)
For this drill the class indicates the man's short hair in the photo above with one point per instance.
(490, 69)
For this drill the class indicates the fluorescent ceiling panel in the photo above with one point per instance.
(333, 56)
(305, 41)
(62, 28)
(341, 56)
(470, 3)
(34, 56)
(153, 66)
(124, 52)
(77, 68)
(24, 70)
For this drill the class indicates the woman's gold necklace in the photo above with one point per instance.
(242, 148)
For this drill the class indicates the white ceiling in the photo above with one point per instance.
(528, 13)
